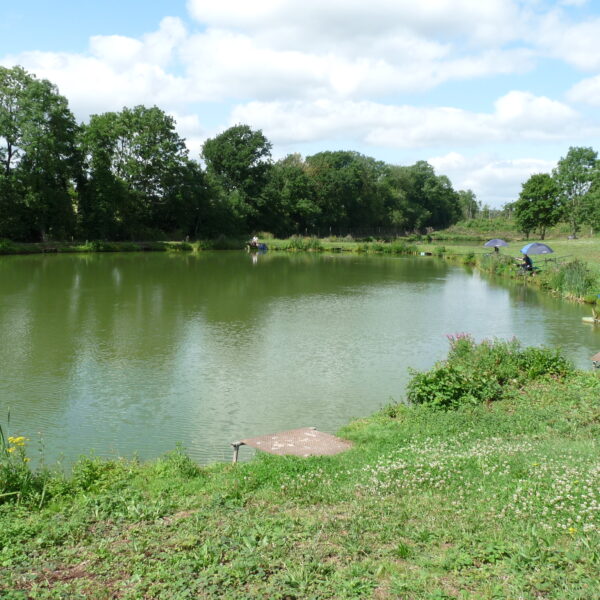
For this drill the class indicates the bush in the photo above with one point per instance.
(469, 258)
(179, 246)
(7, 247)
(475, 373)
(301, 243)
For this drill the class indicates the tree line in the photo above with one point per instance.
(571, 193)
(128, 175)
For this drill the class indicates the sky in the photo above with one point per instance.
(487, 91)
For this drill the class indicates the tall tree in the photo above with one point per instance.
(468, 204)
(574, 175)
(347, 190)
(238, 161)
(292, 206)
(425, 199)
(38, 155)
(538, 206)
(141, 182)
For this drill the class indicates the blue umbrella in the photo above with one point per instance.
(536, 248)
(495, 243)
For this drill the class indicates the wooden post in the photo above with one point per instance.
(236, 449)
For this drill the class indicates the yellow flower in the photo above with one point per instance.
(572, 530)
(26, 459)
(11, 449)
(18, 441)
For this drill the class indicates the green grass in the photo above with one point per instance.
(482, 502)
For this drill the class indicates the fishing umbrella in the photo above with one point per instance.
(536, 248)
(495, 243)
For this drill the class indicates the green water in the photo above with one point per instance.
(130, 354)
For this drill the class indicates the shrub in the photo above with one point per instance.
(301, 243)
(7, 247)
(469, 258)
(402, 247)
(475, 373)
(179, 246)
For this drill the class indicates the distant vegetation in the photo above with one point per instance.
(128, 176)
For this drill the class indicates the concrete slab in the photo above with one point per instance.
(306, 441)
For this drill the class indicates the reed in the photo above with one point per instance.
(572, 279)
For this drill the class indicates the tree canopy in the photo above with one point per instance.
(538, 206)
(39, 157)
(574, 175)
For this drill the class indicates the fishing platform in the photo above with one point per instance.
(306, 441)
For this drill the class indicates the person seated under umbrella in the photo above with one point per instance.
(526, 263)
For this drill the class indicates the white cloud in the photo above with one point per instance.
(587, 91)
(315, 49)
(573, 2)
(575, 43)
(518, 116)
(535, 115)
(495, 181)
(119, 71)
(191, 129)
(492, 21)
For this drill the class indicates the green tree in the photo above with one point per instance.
(421, 198)
(574, 175)
(141, 182)
(292, 206)
(538, 206)
(238, 162)
(468, 204)
(347, 190)
(39, 158)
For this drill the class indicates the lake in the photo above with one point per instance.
(132, 354)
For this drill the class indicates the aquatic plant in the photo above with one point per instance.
(571, 279)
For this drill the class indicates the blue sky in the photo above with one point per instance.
(488, 92)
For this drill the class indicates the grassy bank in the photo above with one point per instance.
(488, 487)
(573, 271)
(9, 247)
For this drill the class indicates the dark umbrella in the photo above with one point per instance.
(536, 248)
(495, 243)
